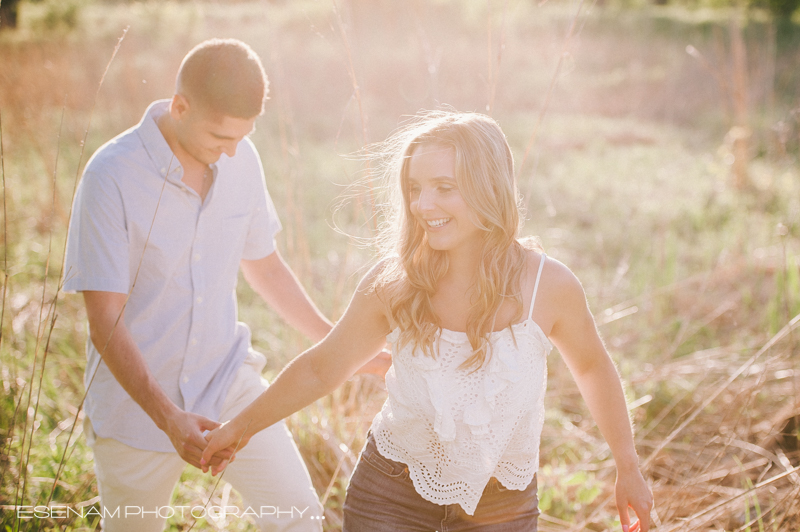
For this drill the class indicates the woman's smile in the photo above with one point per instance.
(437, 223)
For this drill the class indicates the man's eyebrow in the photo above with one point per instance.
(222, 137)
(227, 137)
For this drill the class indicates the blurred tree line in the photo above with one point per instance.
(781, 10)
(58, 12)
(8, 13)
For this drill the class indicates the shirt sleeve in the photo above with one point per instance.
(264, 224)
(97, 255)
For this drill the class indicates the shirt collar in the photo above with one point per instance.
(154, 142)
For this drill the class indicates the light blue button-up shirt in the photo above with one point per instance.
(131, 207)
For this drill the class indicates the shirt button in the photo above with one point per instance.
(199, 299)
(185, 380)
(196, 256)
(194, 341)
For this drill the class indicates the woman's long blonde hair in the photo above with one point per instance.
(411, 269)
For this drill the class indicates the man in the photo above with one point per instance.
(164, 216)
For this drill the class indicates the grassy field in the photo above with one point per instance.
(694, 283)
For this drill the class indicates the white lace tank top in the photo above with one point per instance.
(456, 428)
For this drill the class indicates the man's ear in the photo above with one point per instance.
(178, 107)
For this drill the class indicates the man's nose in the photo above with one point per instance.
(229, 148)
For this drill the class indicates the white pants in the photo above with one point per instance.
(268, 473)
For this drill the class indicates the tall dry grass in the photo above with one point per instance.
(623, 164)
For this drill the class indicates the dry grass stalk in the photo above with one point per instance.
(219, 479)
(741, 131)
(296, 238)
(491, 69)
(63, 274)
(713, 396)
(564, 53)
(41, 327)
(351, 71)
(5, 237)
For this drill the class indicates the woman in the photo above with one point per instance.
(470, 311)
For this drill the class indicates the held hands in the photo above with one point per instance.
(185, 431)
(632, 491)
(220, 446)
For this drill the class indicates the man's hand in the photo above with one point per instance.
(186, 432)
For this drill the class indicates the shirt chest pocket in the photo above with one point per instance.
(183, 248)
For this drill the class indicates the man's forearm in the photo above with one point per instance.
(113, 341)
(275, 282)
(126, 363)
(122, 356)
(300, 312)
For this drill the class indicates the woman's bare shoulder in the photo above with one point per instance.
(378, 286)
(557, 279)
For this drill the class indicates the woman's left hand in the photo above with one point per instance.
(632, 491)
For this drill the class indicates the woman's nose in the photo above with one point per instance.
(425, 201)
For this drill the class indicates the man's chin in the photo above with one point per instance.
(206, 158)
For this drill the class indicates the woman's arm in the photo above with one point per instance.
(355, 339)
(277, 284)
(575, 335)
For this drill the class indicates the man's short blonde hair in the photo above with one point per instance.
(224, 76)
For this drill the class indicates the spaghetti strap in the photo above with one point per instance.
(536, 286)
